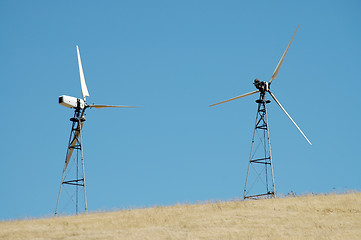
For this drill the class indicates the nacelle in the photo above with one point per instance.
(262, 86)
(71, 102)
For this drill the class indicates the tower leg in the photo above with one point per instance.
(84, 185)
(260, 177)
(74, 171)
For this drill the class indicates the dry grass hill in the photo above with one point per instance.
(307, 217)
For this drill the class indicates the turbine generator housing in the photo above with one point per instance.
(71, 102)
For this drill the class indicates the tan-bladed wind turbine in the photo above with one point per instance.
(76, 177)
(261, 153)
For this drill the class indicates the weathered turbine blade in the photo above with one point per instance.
(279, 104)
(74, 141)
(275, 73)
(84, 89)
(110, 106)
(231, 99)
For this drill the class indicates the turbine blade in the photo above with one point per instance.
(231, 99)
(279, 104)
(275, 73)
(110, 106)
(73, 142)
(84, 89)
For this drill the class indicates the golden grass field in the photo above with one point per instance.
(329, 216)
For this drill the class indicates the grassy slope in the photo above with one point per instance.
(307, 217)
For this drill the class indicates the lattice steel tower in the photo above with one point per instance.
(260, 178)
(73, 177)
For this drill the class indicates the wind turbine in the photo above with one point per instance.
(76, 177)
(261, 159)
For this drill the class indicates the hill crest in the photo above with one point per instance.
(328, 216)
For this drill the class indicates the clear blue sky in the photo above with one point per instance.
(175, 58)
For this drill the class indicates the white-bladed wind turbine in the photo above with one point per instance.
(70, 176)
(261, 153)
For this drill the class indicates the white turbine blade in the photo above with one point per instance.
(231, 99)
(279, 104)
(110, 106)
(275, 73)
(84, 89)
